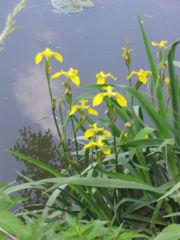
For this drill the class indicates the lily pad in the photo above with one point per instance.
(71, 6)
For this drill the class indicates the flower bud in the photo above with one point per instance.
(60, 104)
(53, 103)
(128, 125)
(125, 135)
(126, 53)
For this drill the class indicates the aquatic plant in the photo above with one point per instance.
(32, 225)
(71, 6)
(128, 172)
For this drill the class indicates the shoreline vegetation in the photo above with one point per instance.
(120, 178)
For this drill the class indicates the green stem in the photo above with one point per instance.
(75, 138)
(62, 123)
(130, 84)
(115, 148)
(130, 97)
(47, 65)
(112, 118)
(67, 158)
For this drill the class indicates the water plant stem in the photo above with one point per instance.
(130, 84)
(47, 66)
(112, 117)
(75, 138)
(62, 122)
(67, 157)
(7, 234)
(115, 148)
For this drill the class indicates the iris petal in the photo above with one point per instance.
(76, 80)
(73, 110)
(58, 56)
(92, 111)
(121, 100)
(56, 75)
(38, 58)
(88, 133)
(97, 100)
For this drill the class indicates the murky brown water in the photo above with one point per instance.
(90, 41)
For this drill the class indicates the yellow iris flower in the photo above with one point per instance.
(94, 130)
(83, 107)
(97, 100)
(99, 144)
(48, 53)
(72, 74)
(101, 77)
(142, 75)
(161, 44)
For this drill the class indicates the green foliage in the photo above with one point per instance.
(13, 226)
(169, 233)
(75, 229)
(123, 168)
(10, 225)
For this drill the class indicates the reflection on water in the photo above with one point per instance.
(40, 146)
(90, 41)
(32, 95)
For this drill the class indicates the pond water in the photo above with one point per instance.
(90, 40)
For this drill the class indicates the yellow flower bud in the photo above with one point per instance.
(125, 135)
(128, 125)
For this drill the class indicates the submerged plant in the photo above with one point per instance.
(71, 6)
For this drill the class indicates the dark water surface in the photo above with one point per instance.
(90, 41)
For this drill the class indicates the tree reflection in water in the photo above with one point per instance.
(40, 146)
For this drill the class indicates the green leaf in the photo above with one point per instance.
(172, 232)
(174, 88)
(175, 188)
(148, 51)
(176, 63)
(13, 225)
(176, 214)
(121, 176)
(87, 181)
(161, 123)
(143, 133)
(37, 163)
(143, 143)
